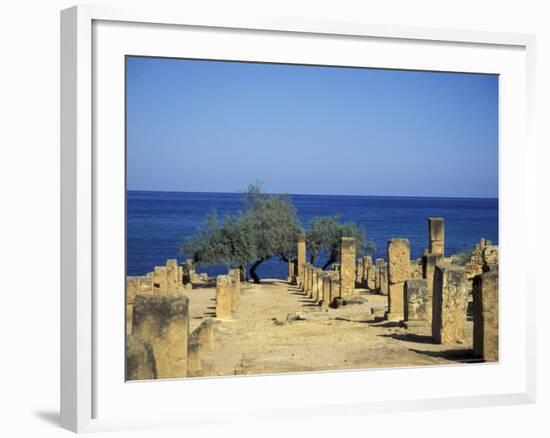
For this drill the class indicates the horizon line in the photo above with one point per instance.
(318, 194)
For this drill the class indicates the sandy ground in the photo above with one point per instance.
(278, 329)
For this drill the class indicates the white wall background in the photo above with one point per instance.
(29, 216)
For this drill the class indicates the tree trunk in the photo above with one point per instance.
(242, 273)
(253, 268)
(328, 263)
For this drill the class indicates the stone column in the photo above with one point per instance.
(416, 300)
(301, 262)
(485, 311)
(383, 272)
(379, 263)
(172, 276)
(319, 285)
(326, 289)
(429, 262)
(160, 281)
(235, 274)
(335, 288)
(436, 231)
(311, 281)
(450, 300)
(290, 277)
(314, 290)
(347, 266)
(181, 286)
(367, 261)
(163, 322)
(399, 266)
(359, 272)
(224, 295)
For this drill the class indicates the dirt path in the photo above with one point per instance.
(278, 329)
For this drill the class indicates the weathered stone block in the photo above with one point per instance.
(490, 255)
(172, 276)
(436, 231)
(319, 297)
(347, 266)
(485, 312)
(194, 363)
(429, 262)
(315, 284)
(291, 277)
(301, 262)
(416, 300)
(204, 334)
(450, 300)
(383, 273)
(160, 281)
(326, 289)
(335, 289)
(163, 322)
(378, 264)
(399, 265)
(359, 274)
(235, 274)
(140, 360)
(224, 296)
(396, 302)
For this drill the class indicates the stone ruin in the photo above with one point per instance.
(158, 342)
(432, 292)
(399, 266)
(347, 267)
(450, 302)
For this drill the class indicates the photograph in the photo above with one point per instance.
(290, 218)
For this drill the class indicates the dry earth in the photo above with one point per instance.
(278, 329)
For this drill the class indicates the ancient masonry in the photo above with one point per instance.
(227, 295)
(158, 342)
(485, 311)
(399, 266)
(450, 300)
(301, 259)
(347, 267)
(162, 324)
(436, 231)
(429, 262)
(432, 291)
(377, 276)
(416, 301)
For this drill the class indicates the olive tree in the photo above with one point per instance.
(325, 235)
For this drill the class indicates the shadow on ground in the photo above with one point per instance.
(457, 355)
(409, 337)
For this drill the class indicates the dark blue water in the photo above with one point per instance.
(158, 222)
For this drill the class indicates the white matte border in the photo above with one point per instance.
(159, 403)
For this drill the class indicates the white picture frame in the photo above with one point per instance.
(90, 37)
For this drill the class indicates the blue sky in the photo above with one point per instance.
(208, 126)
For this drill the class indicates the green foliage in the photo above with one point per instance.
(325, 234)
(268, 227)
